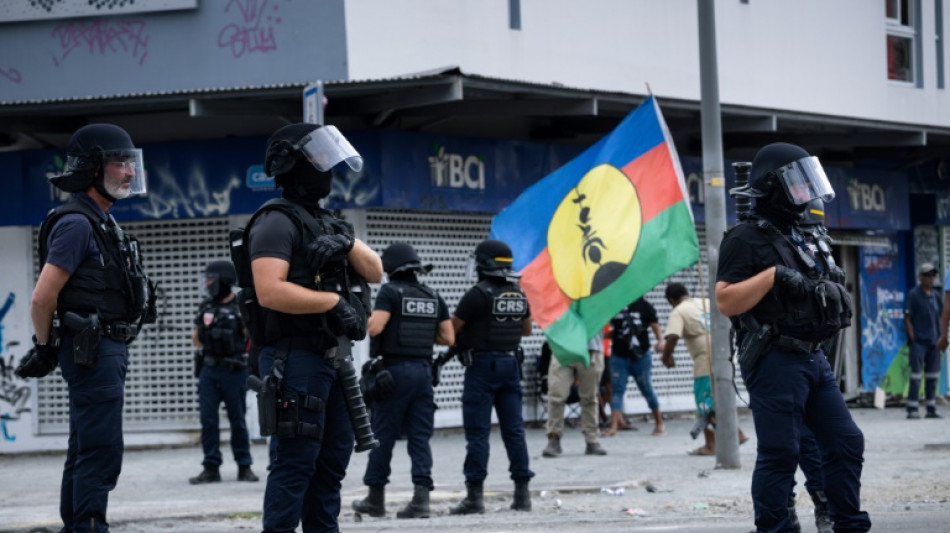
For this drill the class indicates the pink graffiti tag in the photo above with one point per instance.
(102, 37)
(11, 74)
(255, 31)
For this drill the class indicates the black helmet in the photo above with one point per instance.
(789, 168)
(814, 214)
(318, 149)
(323, 146)
(88, 149)
(494, 259)
(402, 257)
(220, 276)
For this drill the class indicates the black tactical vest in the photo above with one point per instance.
(499, 330)
(799, 318)
(113, 289)
(221, 330)
(413, 324)
(277, 325)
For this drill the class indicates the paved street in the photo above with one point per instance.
(663, 489)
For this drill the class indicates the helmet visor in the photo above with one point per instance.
(131, 162)
(326, 147)
(805, 180)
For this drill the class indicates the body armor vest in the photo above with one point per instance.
(500, 330)
(116, 289)
(799, 318)
(412, 326)
(274, 324)
(221, 330)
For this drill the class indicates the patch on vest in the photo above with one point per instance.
(207, 317)
(509, 306)
(420, 307)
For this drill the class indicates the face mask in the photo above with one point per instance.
(306, 185)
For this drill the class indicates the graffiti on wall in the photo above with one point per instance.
(101, 37)
(11, 74)
(14, 393)
(254, 30)
(168, 199)
(882, 315)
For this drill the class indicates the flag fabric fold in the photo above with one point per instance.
(601, 231)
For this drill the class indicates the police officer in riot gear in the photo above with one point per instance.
(89, 302)
(783, 296)
(407, 319)
(221, 365)
(303, 261)
(489, 322)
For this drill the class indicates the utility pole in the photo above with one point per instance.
(714, 183)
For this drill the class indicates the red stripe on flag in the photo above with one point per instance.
(654, 176)
(547, 300)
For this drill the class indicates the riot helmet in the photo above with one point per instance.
(301, 156)
(402, 257)
(783, 179)
(492, 259)
(219, 277)
(103, 156)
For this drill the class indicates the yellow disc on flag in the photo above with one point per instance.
(594, 232)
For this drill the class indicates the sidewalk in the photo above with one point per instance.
(906, 460)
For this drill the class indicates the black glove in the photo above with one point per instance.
(326, 248)
(791, 282)
(39, 361)
(343, 319)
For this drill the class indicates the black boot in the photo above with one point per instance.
(209, 475)
(419, 506)
(793, 514)
(246, 474)
(374, 504)
(474, 501)
(823, 521)
(522, 496)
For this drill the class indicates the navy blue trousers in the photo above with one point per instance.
(411, 407)
(218, 384)
(303, 486)
(788, 391)
(94, 453)
(809, 459)
(493, 379)
(924, 359)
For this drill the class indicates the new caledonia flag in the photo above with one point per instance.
(601, 231)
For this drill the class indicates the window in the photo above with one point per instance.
(901, 40)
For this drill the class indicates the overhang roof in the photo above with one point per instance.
(448, 101)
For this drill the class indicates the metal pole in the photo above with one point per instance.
(727, 440)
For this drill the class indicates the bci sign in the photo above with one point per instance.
(866, 197)
(257, 179)
(456, 171)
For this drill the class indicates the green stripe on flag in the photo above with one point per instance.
(668, 244)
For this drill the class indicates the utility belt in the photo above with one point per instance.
(795, 345)
(312, 343)
(234, 363)
(517, 353)
(86, 331)
(396, 359)
(119, 331)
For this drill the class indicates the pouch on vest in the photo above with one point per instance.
(834, 302)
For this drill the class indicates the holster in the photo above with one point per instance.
(199, 362)
(467, 357)
(266, 402)
(85, 337)
(756, 340)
